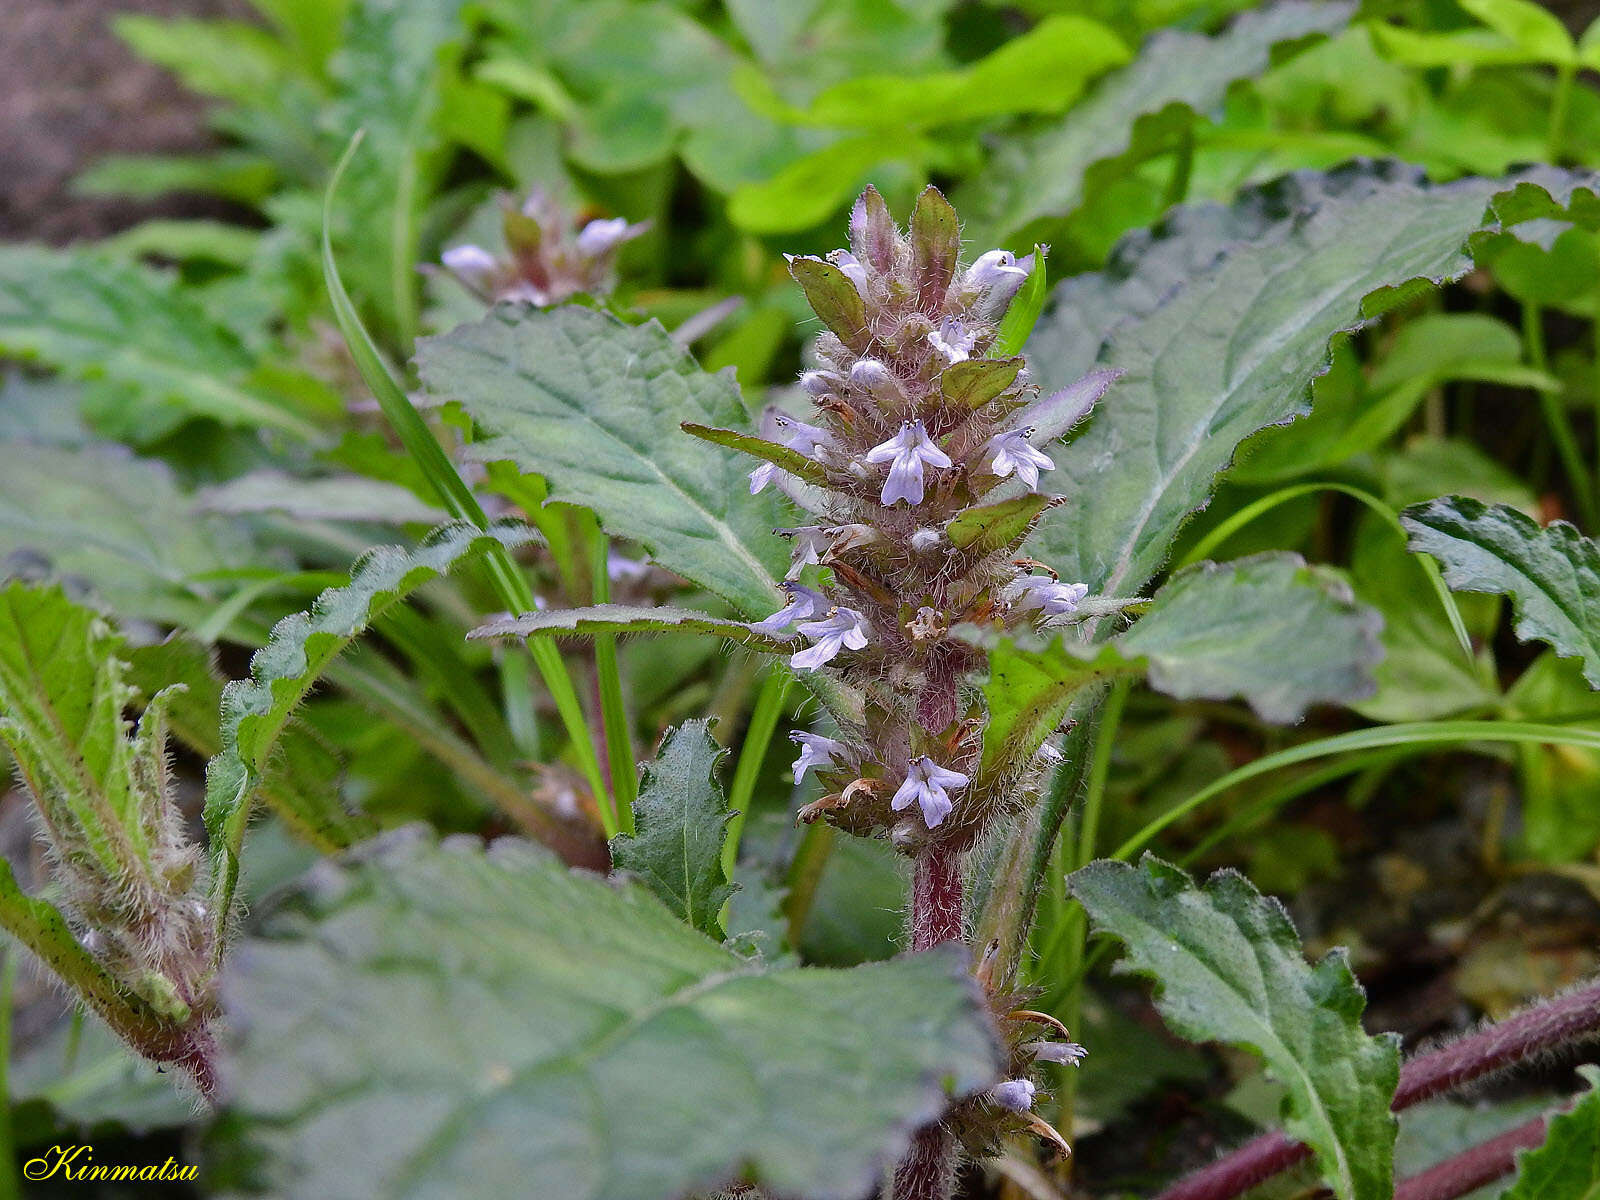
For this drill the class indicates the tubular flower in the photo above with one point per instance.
(797, 435)
(803, 604)
(953, 340)
(906, 452)
(815, 751)
(927, 785)
(1009, 453)
(1014, 1095)
(1050, 597)
(846, 629)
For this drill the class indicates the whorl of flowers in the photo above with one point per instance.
(550, 258)
(917, 433)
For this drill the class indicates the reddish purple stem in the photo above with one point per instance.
(1542, 1027)
(1472, 1169)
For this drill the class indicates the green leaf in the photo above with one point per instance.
(1530, 26)
(1568, 1164)
(1210, 355)
(226, 59)
(594, 406)
(255, 710)
(155, 357)
(627, 618)
(835, 299)
(1552, 574)
(1271, 629)
(991, 527)
(1175, 76)
(680, 821)
(792, 461)
(1042, 71)
(581, 1043)
(329, 498)
(809, 190)
(1228, 967)
(1023, 313)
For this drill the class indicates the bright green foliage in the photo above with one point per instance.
(580, 1042)
(1228, 967)
(594, 406)
(1552, 575)
(1568, 1164)
(1279, 633)
(1134, 112)
(1219, 337)
(255, 710)
(680, 821)
(623, 618)
(153, 354)
(1519, 31)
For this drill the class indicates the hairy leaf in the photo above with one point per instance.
(594, 406)
(1552, 574)
(625, 618)
(1219, 321)
(1228, 967)
(792, 461)
(990, 527)
(680, 820)
(1175, 77)
(582, 1043)
(154, 355)
(255, 710)
(1568, 1164)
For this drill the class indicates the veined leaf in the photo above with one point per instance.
(576, 1045)
(680, 822)
(255, 710)
(594, 406)
(154, 356)
(1270, 629)
(797, 464)
(626, 618)
(991, 527)
(1568, 1164)
(1219, 321)
(1228, 967)
(1175, 77)
(1552, 575)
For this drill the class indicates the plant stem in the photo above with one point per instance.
(1558, 111)
(613, 709)
(1555, 416)
(10, 1185)
(1541, 1028)
(928, 1171)
(752, 752)
(1470, 1170)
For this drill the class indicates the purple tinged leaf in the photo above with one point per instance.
(834, 298)
(1057, 413)
(873, 236)
(935, 246)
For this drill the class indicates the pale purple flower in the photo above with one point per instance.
(803, 604)
(905, 453)
(953, 340)
(1010, 452)
(873, 376)
(595, 238)
(926, 784)
(994, 267)
(473, 265)
(1065, 1053)
(815, 751)
(845, 629)
(820, 383)
(853, 270)
(1049, 596)
(797, 435)
(622, 569)
(811, 542)
(1015, 1095)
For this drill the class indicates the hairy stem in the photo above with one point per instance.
(1470, 1170)
(1542, 1027)
(928, 1171)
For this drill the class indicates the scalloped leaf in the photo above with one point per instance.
(1228, 967)
(283, 672)
(594, 406)
(1176, 78)
(627, 618)
(581, 1043)
(792, 461)
(680, 822)
(1552, 574)
(1270, 629)
(1221, 319)
(1567, 1164)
